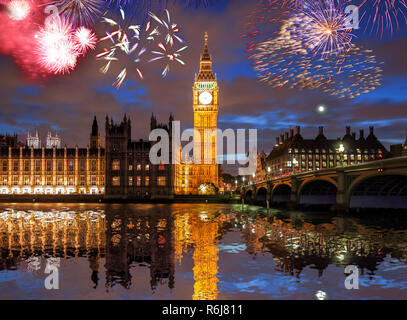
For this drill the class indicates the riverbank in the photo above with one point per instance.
(26, 198)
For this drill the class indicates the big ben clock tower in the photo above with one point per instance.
(190, 177)
(205, 104)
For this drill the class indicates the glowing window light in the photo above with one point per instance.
(15, 190)
(94, 190)
(38, 190)
(4, 190)
(49, 190)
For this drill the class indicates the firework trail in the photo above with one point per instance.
(382, 15)
(356, 72)
(264, 21)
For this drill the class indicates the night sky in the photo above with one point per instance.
(68, 103)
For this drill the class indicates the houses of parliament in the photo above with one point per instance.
(122, 169)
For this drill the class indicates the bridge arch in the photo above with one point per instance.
(248, 196)
(318, 192)
(281, 193)
(379, 191)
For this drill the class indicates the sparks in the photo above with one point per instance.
(124, 41)
(171, 56)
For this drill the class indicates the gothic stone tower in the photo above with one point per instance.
(95, 135)
(118, 138)
(205, 105)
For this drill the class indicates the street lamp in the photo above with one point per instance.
(341, 150)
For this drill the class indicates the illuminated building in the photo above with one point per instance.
(33, 141)
(293, 154)
(129, 173)
(53, 141)
(190, 174)
(29, 170)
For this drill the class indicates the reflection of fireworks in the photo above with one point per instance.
(59, 46)
(324, 27)
(171, 28)
(80, 12)
(284, 62)
(18, 9)
(121, 42)
(171, 56)
(383, 15)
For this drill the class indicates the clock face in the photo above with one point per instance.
(205, 98)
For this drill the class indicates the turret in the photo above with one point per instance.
(95, 135)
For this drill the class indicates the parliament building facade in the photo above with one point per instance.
(122, 169)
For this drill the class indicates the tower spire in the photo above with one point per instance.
(206, 56)
(205, 70)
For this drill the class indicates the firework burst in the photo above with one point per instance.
(284, 62)
(324, 27)
(57, 51)
(169, 55)
(59, 45)
(80, 12)
(171, 28)
(86, 39)
(18, 9)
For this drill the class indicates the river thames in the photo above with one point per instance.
(197, 251)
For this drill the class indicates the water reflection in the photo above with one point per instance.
(116, 239)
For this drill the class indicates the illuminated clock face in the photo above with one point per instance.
(205, 98)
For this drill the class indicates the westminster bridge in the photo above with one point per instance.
(376, 184)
